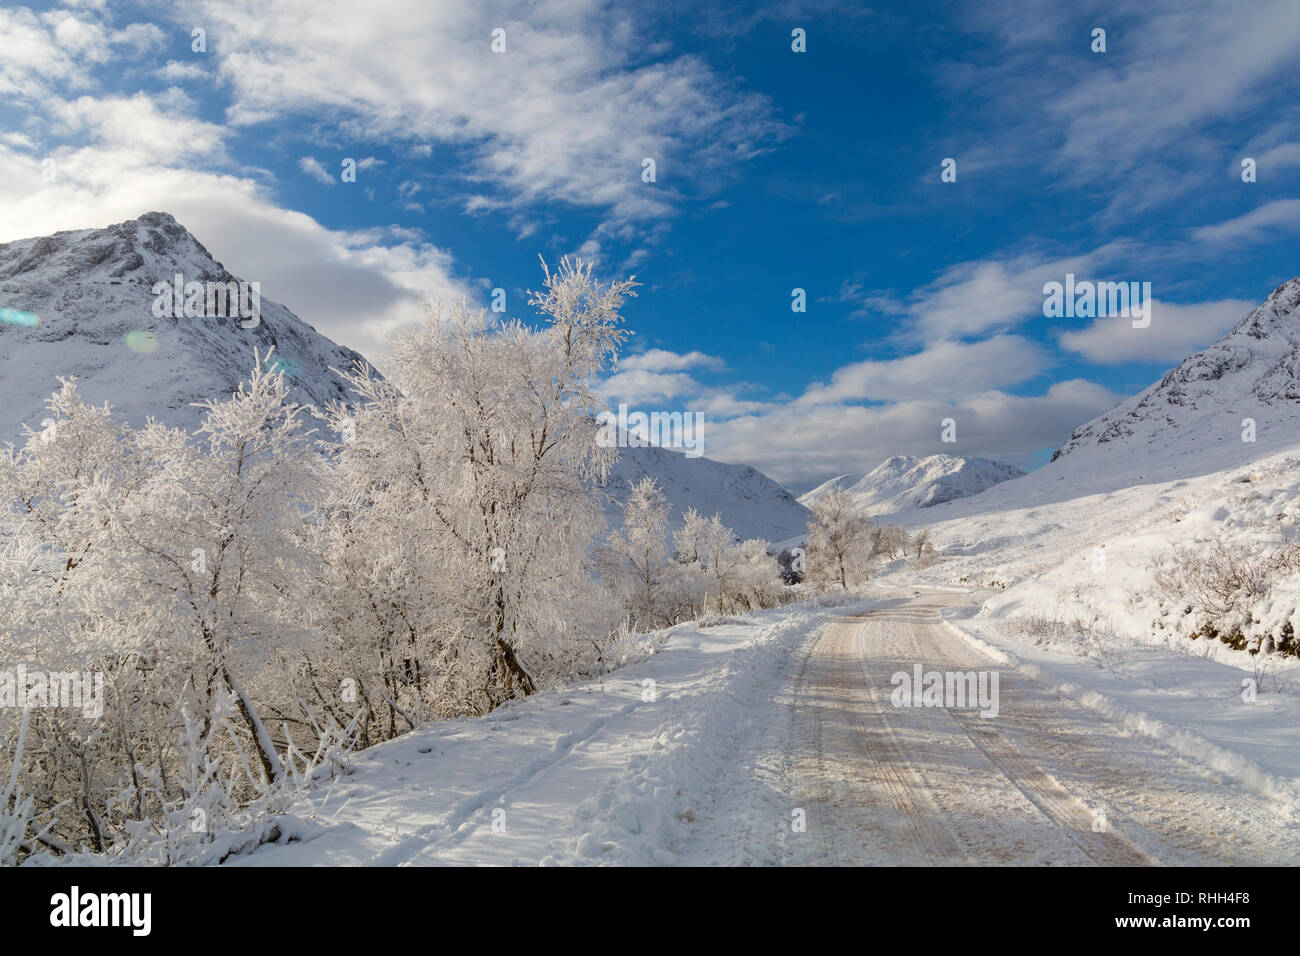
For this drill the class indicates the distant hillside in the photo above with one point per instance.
(904, 483)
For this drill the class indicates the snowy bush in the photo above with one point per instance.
(1244, 596)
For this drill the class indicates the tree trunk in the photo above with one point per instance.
(513, 670)
(261, 739)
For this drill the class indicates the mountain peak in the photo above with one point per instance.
(904, 482)
(82, 303)
(151, 248)
(1242, 390)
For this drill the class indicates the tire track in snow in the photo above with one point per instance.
(1107, 848)
(907, 787)
(1053, 801)
(459, 822)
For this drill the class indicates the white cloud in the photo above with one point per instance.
(662, 360)
(1282, 156)
(972, 298)
(943, 371)
(139, 37)
(567, 113)
(637, 386)
(175, 71)
(1153, 117)
(1175, 332)
(799, 445)
(33, 57)
(141, 126)
(313, 168)
(1271, 220)
(827, 431)
(1196, 63)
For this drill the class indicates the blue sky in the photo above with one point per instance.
(775, 170)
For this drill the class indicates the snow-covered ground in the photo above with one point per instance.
(1185, 698)
(613, 771)
(1088, 560)
(717, 747)
(787, 712)
(1064, 587)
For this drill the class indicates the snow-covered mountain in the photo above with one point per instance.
(1200, 407)
(80, 303)
(752, 504)
(1221, 408)
(902, 483)
(1173, 466)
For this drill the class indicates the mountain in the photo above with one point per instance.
(903, 483)
(81, 303)
(1186, 426)
(1167, 479)
(1199, 407)
(752, 504)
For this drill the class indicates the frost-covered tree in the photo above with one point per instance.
(173, 566)
(837, 540)
(888, 541)
(920, 543)
(634, 561)
(464, 503)
(715, 567)
(223, 532)
(707, 549)
(759, 581)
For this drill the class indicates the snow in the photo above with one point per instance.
(662, 761)
(1189, 702)
(598, 774)
(594, 773)
(903, 483)
(90, 289)
(752, 505)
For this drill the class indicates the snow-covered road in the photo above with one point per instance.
(1043, 782)
(777, 742)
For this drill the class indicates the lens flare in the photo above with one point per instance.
(20, 317)
(288, 366)
(141, 341)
